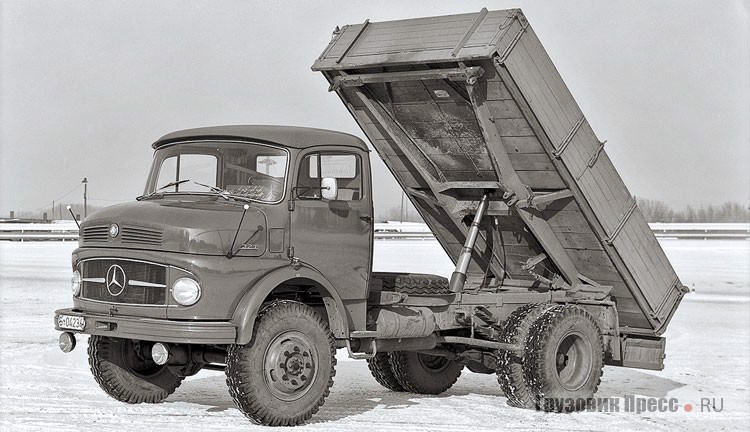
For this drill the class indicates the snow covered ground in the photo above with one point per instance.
(708, 356)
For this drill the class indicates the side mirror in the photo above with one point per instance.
(329, 188)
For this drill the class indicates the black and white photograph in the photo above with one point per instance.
(347, 215)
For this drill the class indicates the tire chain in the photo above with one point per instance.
(509, 364)
(547, 321)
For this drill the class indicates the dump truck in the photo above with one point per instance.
(250, 250)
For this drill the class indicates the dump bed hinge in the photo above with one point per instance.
(623, 220)
(584, 288)
(534, 200)
(555, 282)
(568, 138)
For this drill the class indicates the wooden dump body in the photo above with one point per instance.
(460, 105)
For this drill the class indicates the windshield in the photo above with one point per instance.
(245, 170)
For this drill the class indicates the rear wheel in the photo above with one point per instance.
(510, 364)
(564, 359)
(424, 373)
(124, 369)
(283, 376)
(381, 370)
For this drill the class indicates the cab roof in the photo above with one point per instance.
(288, 136)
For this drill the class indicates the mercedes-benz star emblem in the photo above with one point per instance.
(115, 280)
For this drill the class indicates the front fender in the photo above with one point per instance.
(248, 307)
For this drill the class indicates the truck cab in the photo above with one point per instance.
(224, 209)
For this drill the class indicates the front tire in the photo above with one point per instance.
(424, 373)
(124, 369)
(283, 376)
(564, 359)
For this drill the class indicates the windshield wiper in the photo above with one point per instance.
(168, 185)
(224, 193)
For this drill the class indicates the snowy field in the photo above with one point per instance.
(708, 356)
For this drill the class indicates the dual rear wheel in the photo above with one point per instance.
(560, 366)
(558, 369)
(414, 372)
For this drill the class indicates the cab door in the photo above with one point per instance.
(334, 234)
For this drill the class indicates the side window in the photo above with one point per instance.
(271, 165)
(345, 168)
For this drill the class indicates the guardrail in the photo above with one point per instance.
(391, 230)
(64, 230)
(701, 231)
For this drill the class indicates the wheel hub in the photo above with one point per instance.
(435, 364)
(136, 361)
(573, 361)
(289, 365)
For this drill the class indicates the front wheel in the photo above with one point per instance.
(283, 376)
(124, 369)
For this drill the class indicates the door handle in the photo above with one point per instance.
(366, 218)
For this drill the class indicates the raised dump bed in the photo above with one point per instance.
(468, 106)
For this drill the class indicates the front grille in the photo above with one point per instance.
(97, 233)
(134, 234)
(143, 283)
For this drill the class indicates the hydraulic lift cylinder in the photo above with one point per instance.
(458, 278)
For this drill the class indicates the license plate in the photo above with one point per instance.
(71, 322)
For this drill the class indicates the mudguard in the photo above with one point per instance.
(248, 307)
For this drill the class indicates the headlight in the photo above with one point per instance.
(186, 291)
(75, 283)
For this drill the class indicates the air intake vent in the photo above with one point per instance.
(124, 281)
(143, 235)
(98, 233)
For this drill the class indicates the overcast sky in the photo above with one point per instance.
(87, 86)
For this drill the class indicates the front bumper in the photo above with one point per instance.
(153, 329)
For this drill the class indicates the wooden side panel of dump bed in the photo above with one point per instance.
(459, 105)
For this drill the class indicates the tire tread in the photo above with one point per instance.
(539, 385)
(106, 375)
(510, 374)
(381, 370)
(236, 371)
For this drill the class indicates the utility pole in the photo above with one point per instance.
(53, 210)
(85, 189)
(402, 206)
